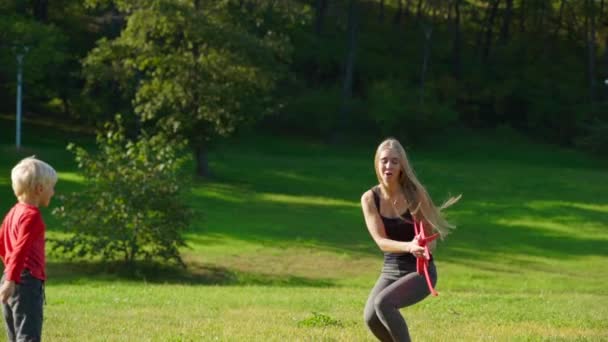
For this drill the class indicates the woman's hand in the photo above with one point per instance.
(415, 248)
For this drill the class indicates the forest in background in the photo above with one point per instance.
(322, 68)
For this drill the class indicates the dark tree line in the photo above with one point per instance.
(326, 68)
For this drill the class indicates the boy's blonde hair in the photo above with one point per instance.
(29, 173)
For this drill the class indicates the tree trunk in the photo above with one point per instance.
(457, 43)
(506, 24)
(591, 48)
(428, 31)
(41, 10)
(66, 103)
(419, 10)
(450, 5)
(605, 80)
(347, 89)
(320, 9)
(399, 13)
(541, 17)
(435, 11)
(558, 24)
(489, 29)
(202, 161)
(381, 14)
(522, 16)
(200, 149)
(133, 250)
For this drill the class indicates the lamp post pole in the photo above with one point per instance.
(20, 55)
(19, 84)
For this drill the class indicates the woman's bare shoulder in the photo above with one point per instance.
(367, 198)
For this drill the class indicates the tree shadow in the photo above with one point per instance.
(511, 233)
(154, 273)
(491, 217)
(514, 212)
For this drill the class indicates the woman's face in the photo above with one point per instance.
(389, 166)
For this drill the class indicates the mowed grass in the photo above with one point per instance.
(280, 241)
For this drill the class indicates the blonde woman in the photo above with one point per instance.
(390, 210)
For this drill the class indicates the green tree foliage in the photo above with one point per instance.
(489, 64)
(44, 49)
(202, 69)
(195, 69)
(132, 207)
(58, 35)
(398, 110)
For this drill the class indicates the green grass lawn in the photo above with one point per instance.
(280, 252)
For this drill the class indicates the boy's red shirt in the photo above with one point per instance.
(22, 242)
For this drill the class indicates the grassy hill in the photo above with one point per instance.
(280, 252)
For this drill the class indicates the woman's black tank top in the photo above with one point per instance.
(398, 229)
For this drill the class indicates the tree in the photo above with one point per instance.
(491, 16)
(132, 207)
(46, 51)
(506, 23)
(398, 13)
(41, 10)
(58, 34)
(457, 41)
(590, 37)
(320, 12)
(194, 70)
(349, 68)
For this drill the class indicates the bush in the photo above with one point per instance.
(132, 206)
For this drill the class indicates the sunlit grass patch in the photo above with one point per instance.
(306, 200)
(549, 227)
(71, 177)
(587, 206)
(222, 192)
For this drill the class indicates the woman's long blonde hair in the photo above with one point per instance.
(419, 202)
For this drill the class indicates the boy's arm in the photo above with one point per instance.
(29, 227)
(2, 247)
(6, 290)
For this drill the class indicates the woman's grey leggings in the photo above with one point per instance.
(395, 289)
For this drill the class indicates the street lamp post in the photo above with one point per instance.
(20, 55)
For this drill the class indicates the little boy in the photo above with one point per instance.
(22, 250)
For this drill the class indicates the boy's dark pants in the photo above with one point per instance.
(23, 313)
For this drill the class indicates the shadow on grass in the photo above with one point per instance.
(509, 225)
(494, 219)
(556, 232)
(193, 274)
(502, 211)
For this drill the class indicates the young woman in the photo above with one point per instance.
(390, 210)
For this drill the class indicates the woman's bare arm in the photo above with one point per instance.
(377, 231)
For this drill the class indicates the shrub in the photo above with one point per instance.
(132, 206)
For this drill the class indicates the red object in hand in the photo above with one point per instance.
(422, 263)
